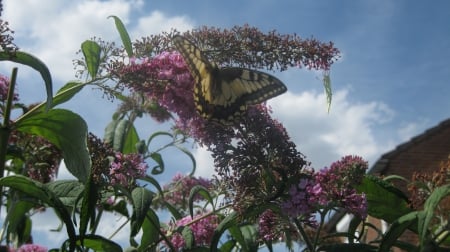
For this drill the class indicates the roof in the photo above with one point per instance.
(382, 163)
(440, 132)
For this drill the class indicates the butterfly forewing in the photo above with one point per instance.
(223, 94)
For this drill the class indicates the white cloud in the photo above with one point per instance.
(322, 137)
(158, 22)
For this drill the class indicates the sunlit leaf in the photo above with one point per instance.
(91, 51)
(35, 63)
(382, 198)
(126, 41)
(67, 131)
(328, 91)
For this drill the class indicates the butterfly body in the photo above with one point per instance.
(223, 94)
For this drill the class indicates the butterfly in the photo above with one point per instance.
(223, 94)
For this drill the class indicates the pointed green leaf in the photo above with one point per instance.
(228, 246)
(66, 130)
(327, 86)
(17, 219)
(124, 36)
(157, 169)
(98, 243)
(68, 191)
(91, 51)
(226, 223)
(110, 131)
(26, 185)
(191, 157)
(131, 140)
(88, 205)
(122, 135)
(64, 94)
(150, 231)
(198, 189)
(142, 199)
(382, 198)
(250, 235)
(396, 229)
(188, 237)
(236, 233)
(37, 190)
(173, 210)
(154, 182)
(429, 208)
(35, 63)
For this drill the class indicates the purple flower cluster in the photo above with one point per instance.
(202, 227)
(4, 87)
(30, 248)
(267, 224)
(126, 168)
(299, 202)
(166, 80)
(329, 188)
(179, 188)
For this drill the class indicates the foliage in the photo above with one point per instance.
(264, 191)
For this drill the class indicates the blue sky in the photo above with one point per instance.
(391, 83)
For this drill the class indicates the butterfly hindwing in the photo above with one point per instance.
(222, 94)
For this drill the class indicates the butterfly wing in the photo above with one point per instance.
(223, 94)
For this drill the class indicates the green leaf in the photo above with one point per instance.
(35, 63)
(429, 208)
(91, 51)
(250, 234)
(37, 190)
(188, 237)
(123, 35)
(228, 246)
(122, 135)
(64, 94)
(383, 199)
(226, 223)
(327, 86)
(157, 169)
(142, 199)
(68, 91)
(189, 154)
(98, 243)
(88, 205)
(396, 229)
(154, 182)
(68, 191)
(67, 131)
(150, 231)
(198, 189)
(18, 221)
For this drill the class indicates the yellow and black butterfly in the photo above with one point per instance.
(223, 94)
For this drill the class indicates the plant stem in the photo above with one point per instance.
(5, 128)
